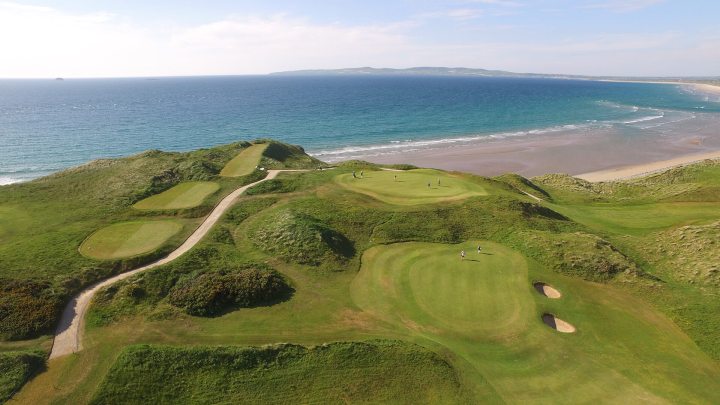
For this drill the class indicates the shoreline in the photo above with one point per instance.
(575, 152)
(713, 89)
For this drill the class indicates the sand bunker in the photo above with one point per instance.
(547, 290)
(557, 324)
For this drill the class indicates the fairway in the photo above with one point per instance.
(184, 195)
(245, 162)
(410, 187)
(128, 239)
(486, 310)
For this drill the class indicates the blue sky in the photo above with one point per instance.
(85, 38)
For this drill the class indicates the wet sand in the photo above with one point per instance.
(572, 152)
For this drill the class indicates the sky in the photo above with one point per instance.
(127, 38)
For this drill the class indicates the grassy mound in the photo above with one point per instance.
(17, 368)
(578, 254)
(245, 162)
(128, 239)
(279, 155)
(213, 293)
(411, 187)
(303, 239)
(691, 253)
(372, 372)
(184, 195)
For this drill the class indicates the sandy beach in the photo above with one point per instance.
(628, 172)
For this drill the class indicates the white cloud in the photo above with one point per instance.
(623, 6)
(47, 42)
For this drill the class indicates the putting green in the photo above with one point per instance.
(485, 310)
(245, 162)
(128, 239)
(410, 187)
(184, 195)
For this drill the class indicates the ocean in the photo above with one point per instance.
(49, 125)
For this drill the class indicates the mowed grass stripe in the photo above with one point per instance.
(184, 195)
(245, 162)
(410, 187)
(128, 239)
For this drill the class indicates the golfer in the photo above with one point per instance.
(479, 249)
(462, 255)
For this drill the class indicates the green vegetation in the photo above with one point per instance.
(411, 187)
(245, 162)
(128, 239)
(302, 238)
(213, 293)
(17, 368)
(44, 222)
(485, 310)
(184, 195)
(358, 261)
(372, 372)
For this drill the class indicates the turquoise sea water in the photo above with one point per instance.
(48, 125)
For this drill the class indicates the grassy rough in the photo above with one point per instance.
(17, 368)
(369, 372)
(303, 239)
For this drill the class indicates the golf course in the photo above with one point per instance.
(359, 283)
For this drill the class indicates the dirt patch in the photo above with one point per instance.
(557, 324)
(547, 290)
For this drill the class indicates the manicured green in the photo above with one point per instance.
(372, 372)
(485, 310)
(184, 195)
(128, 239)
(245, 162)
(411, 187)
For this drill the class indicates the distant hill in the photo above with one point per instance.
(461, 71)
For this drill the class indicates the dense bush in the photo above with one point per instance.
(300, 238)
(16, 368)
(27, 308)
(213, 293)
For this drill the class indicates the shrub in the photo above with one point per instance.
(212, 293)
(27, 308)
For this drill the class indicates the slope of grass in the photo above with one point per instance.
(43, 222)
(16, 368)
(184, 195)
(127, 239)
(411, 187)
(245, 162)
(485, 309)
(371, 372)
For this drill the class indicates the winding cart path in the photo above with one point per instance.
(68, 335)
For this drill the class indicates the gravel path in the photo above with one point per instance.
(69, 332)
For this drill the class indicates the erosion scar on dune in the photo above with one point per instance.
(547, 290)
(557, 324)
